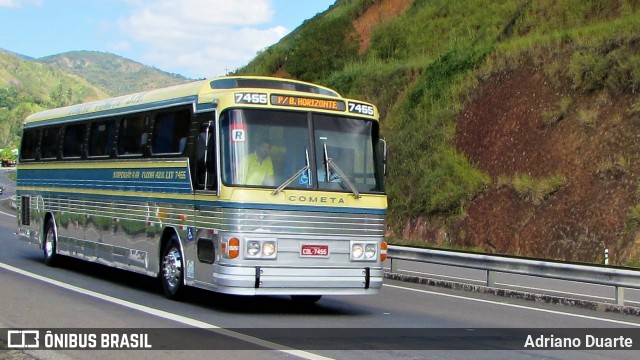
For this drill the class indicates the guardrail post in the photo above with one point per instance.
(393, 266)
(619, 295)
(491, 281)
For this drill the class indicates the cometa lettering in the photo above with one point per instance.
(317, 199)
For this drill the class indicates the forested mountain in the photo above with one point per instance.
(512, 125)
(112, 73)
(28, 85)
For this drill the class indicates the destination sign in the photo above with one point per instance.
(308, 102)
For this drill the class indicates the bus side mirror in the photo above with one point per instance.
(383, 153)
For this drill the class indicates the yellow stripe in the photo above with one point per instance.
(104, 165)
(239, 196)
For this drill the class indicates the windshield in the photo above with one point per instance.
(297, 150)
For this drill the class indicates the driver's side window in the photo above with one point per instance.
(206, 175)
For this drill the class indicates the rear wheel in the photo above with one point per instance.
(50, 243)
(172, 275)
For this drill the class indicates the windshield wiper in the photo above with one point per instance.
(330, 164)
(294, 176)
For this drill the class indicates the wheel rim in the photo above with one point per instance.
(49, 243)
(172, 269)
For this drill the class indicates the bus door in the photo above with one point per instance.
(205, 183)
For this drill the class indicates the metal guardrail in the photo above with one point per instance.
(593, 274)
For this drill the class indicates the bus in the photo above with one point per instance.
(155, 183)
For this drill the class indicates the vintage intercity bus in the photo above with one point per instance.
(157, 183)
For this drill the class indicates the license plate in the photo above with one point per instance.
(314, 250)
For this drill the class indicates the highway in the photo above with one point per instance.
(78, 295)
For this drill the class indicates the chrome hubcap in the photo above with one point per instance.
(48, 244)
(172, 268)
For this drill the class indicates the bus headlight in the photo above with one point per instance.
(364, 251)
(261, 249)
(370, 251)
(356, 251)
(253, 248)
(269, 248)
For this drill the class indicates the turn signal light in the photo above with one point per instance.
(233, 249)
(383, 251)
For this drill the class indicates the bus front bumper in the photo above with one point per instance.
(297, 281)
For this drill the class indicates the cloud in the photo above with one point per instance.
(18, 3)
(200, 38)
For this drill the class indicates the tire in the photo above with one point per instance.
(172, 270)
(50, 244)
(306, 299)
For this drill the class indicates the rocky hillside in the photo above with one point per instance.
(512, 125)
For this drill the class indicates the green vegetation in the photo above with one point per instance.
(534, 190)
(423, 66)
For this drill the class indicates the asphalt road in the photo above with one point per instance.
(78, 295)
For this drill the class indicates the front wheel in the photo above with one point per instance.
(50, 243)
(172, 274)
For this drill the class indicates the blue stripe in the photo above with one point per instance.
(164, 180)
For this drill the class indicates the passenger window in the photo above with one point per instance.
(50, 143)
(30, 143)
(73, 141)
(170, 132)
(101, 137)
(132, 136)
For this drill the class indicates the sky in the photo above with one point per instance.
(193, 38)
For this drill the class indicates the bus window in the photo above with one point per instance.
(347, 144)
(101, 136)
(244, 133)
(50, 143)
(30, 143)
(170, 132)
(205, 158)
(73, 140)
(132, 136)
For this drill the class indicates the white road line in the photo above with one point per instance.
(169, 316)
(514, 306)
(4, 213)
(481, 282)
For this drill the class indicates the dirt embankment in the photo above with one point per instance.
(508, 130)
(374, 15)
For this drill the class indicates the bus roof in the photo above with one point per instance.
(183, 94)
